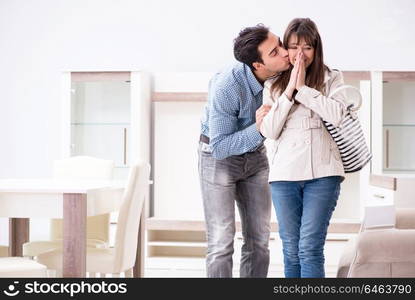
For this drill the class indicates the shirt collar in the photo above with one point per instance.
(254, 85)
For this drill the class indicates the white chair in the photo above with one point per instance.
(122, 257)
(21, 267)
(77, 167)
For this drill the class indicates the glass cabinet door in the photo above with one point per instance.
(399, 147)
(100, 120)
(398, 125)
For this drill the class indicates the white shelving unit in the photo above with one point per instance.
(176, 227)
(392, 190)
(393, 142)
(393, 122)
(178, 249)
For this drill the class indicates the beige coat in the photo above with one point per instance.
(302, 147)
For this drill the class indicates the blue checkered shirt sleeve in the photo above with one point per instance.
(226, 136)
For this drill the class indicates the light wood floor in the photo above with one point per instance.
(159, 266)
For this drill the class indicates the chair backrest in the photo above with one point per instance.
(84, 167)
(405, 218)
(126, 237)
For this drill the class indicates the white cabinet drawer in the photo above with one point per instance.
(380, 196)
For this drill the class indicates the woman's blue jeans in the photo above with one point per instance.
(304, 209)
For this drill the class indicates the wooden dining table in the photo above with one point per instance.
(71, 200)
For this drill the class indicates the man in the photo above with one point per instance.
(232, 158)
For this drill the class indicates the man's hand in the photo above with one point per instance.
(260, 114)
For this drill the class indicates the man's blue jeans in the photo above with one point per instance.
(304, 209)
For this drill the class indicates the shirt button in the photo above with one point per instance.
(307, 142)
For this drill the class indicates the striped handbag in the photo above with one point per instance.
(349, 136)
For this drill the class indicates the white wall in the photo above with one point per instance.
(39, 39)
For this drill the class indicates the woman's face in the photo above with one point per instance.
(294, 46)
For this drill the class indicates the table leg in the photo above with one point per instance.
(138, 270)
(18, 235)
(74, 235)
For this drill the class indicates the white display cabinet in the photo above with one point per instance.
(100, 122)
(393, 122)
(107, 115)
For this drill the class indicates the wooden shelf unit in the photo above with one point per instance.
(180, 238)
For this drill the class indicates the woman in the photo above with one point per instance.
(306, 169)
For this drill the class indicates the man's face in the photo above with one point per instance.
(274, 56)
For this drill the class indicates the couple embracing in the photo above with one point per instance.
(277, 90)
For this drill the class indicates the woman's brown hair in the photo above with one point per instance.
(307, 30)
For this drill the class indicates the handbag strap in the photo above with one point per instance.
(346, 86)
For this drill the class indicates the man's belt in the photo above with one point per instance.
(204, 139)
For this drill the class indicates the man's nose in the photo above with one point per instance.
(284, 52)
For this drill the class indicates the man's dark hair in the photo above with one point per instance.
(245, 46)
